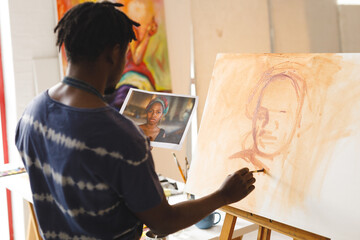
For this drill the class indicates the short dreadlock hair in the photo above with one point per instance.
(88, 28)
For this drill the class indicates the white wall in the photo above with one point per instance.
(302, 26)
(349, 26)
(32, 24)
(226, 26)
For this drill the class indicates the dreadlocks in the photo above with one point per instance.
(88, 28)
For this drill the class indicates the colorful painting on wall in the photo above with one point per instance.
(147, 66)
(297, 116)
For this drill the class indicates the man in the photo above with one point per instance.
(91, 169)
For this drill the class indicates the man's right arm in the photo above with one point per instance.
(166, 219)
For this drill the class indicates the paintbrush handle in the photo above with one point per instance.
(180, 170)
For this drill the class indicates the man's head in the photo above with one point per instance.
(277, 103)
(89, 28)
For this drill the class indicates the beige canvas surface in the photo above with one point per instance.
(297, 116)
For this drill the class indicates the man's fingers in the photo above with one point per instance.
(248, 176)
(251, 188)
(251, 181)
(243, 171)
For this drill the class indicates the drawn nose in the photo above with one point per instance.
(271, 125)
(265, 123)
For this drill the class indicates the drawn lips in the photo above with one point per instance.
(268, 139)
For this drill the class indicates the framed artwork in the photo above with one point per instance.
(163, 117)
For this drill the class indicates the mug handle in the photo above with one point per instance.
(219, 218)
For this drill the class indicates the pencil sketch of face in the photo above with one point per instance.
(275, 116)
(274, 108)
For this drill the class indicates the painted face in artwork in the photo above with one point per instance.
(141, 11)
(274, 120)
(154, 114)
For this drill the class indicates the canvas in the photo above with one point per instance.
(147, 65)
(297, 116)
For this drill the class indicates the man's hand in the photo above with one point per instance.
(151, 139)
(237, 186)
(184, 214)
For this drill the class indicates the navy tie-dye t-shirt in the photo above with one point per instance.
(89, 170)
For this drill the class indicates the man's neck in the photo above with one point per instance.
(91, 73)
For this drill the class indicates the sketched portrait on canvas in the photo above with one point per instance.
(274, 109)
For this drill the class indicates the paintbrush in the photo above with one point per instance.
(178, 164)
(187, 167)
(187, 163)
(258, 171)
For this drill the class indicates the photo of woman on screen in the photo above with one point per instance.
(163, 117)
(155, 111)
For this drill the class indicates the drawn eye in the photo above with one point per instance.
(262, 113)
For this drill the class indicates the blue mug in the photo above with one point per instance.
(208, 221)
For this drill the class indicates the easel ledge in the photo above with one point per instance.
(265, 226)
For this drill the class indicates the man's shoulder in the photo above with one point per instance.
(119, 124)
(37, 102)
(120, 136)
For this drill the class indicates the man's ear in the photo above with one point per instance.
(113, 54)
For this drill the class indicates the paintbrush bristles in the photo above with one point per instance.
(257, 171)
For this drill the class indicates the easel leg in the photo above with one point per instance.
(228, 227)
(264, 233)
(238, 238)
(33, 231)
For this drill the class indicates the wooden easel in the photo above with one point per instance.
(33, 229)
(265, 226)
